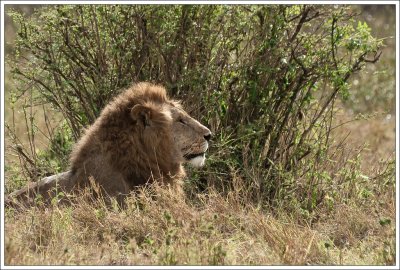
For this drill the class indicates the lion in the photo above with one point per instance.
(140, 137)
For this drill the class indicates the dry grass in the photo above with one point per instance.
(160, 228)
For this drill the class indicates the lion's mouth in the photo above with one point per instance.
(192, 156)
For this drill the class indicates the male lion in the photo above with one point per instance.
(140, 137)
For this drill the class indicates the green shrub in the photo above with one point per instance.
(264, 78)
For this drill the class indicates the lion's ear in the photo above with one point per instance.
(141, 114)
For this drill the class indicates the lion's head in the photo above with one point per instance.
(163, 123)
(190, 137)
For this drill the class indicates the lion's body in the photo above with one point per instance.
(140, 137)
(118, 154)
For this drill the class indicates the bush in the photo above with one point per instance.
(270, 73)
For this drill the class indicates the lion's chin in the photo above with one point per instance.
(198, 161)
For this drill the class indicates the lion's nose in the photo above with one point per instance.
(208, 136)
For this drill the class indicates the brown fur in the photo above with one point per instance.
(137, 139)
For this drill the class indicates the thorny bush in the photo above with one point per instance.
(264, 77)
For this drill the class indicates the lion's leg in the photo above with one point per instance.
(103, 180)
(43, 190)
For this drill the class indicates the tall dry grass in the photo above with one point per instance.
(160, 228)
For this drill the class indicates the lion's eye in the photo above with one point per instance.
(181, 121)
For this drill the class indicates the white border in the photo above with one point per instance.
(3, 3)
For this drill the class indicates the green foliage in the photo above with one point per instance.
(18, 179)
(263, 77)
(374, 88)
